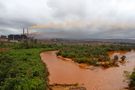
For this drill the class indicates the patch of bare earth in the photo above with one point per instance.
(66, 87)
(3, 49)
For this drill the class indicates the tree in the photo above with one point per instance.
(115, 60)
(123, 58)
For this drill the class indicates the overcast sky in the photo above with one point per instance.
(69, 18)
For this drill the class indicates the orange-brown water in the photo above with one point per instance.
(68, 72)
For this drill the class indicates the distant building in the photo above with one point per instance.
(3, 38)
(16, 37)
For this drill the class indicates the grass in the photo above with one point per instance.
(22, 69)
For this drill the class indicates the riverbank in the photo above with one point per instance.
(92, 55)
(21, 66)
(67, 72)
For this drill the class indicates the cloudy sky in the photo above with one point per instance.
(69, 18)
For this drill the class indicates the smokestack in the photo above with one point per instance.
(23, 31)
(27, 31)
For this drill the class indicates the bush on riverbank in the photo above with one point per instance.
(22, 69)
(91, 54)
(132, 81)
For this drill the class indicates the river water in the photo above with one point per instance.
(96, 78)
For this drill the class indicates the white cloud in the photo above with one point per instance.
(92, 16)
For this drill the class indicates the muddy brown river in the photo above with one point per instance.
(94, 78)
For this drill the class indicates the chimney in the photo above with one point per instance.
(27, 31)
(23, 31)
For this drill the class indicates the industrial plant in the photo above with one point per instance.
(16, 37)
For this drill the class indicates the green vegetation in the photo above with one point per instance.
(22, 69)
(132, 81)
(91, 54)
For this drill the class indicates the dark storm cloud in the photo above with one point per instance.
(15, 23)
(8, 26)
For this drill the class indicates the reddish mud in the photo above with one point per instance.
(95, 78)
(3, 49)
